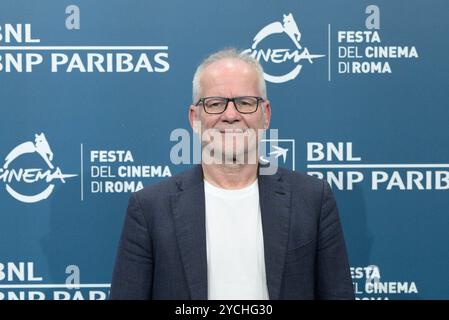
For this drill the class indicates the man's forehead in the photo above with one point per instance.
(228, 66)
(229, 72)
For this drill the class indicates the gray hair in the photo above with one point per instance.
(229, 53)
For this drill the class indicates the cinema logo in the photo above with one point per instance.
(281, 55)
(10, 176)
(117, 171)
(369, 284)
(363, 51)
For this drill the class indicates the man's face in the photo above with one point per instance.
(230, 78)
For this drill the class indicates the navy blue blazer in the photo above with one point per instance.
(162, 250)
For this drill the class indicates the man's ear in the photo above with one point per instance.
(194, 119)
(267, 114)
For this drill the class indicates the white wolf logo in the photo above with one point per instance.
(31, 175)
(281, 55)
(40, 146)
(289, 27)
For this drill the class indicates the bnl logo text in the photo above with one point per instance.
(328, 157)
(337, 163)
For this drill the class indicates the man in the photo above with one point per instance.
(223, 230)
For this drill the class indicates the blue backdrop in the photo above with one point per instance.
(91, 89)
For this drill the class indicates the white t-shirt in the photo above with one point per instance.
(234, 239)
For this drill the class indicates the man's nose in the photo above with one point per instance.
(231, 114)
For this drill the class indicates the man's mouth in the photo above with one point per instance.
(232, 130)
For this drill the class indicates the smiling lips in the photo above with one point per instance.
(232, 130)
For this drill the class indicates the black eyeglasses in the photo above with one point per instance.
(217, 105)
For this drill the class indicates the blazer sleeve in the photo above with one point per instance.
(333, 278)
(133, 271)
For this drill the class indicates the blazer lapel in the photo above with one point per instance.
(275, 199)
(189, 219)
(190, 224)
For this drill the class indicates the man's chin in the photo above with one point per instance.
(239, 156)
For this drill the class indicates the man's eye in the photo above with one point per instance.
(215, 103)
(246, 102)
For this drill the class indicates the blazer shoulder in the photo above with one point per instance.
(303, 181)
(171, 185)
(165, 187)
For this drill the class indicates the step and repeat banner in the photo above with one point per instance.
(94, 99)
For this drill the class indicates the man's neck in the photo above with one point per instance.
(230, 176)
